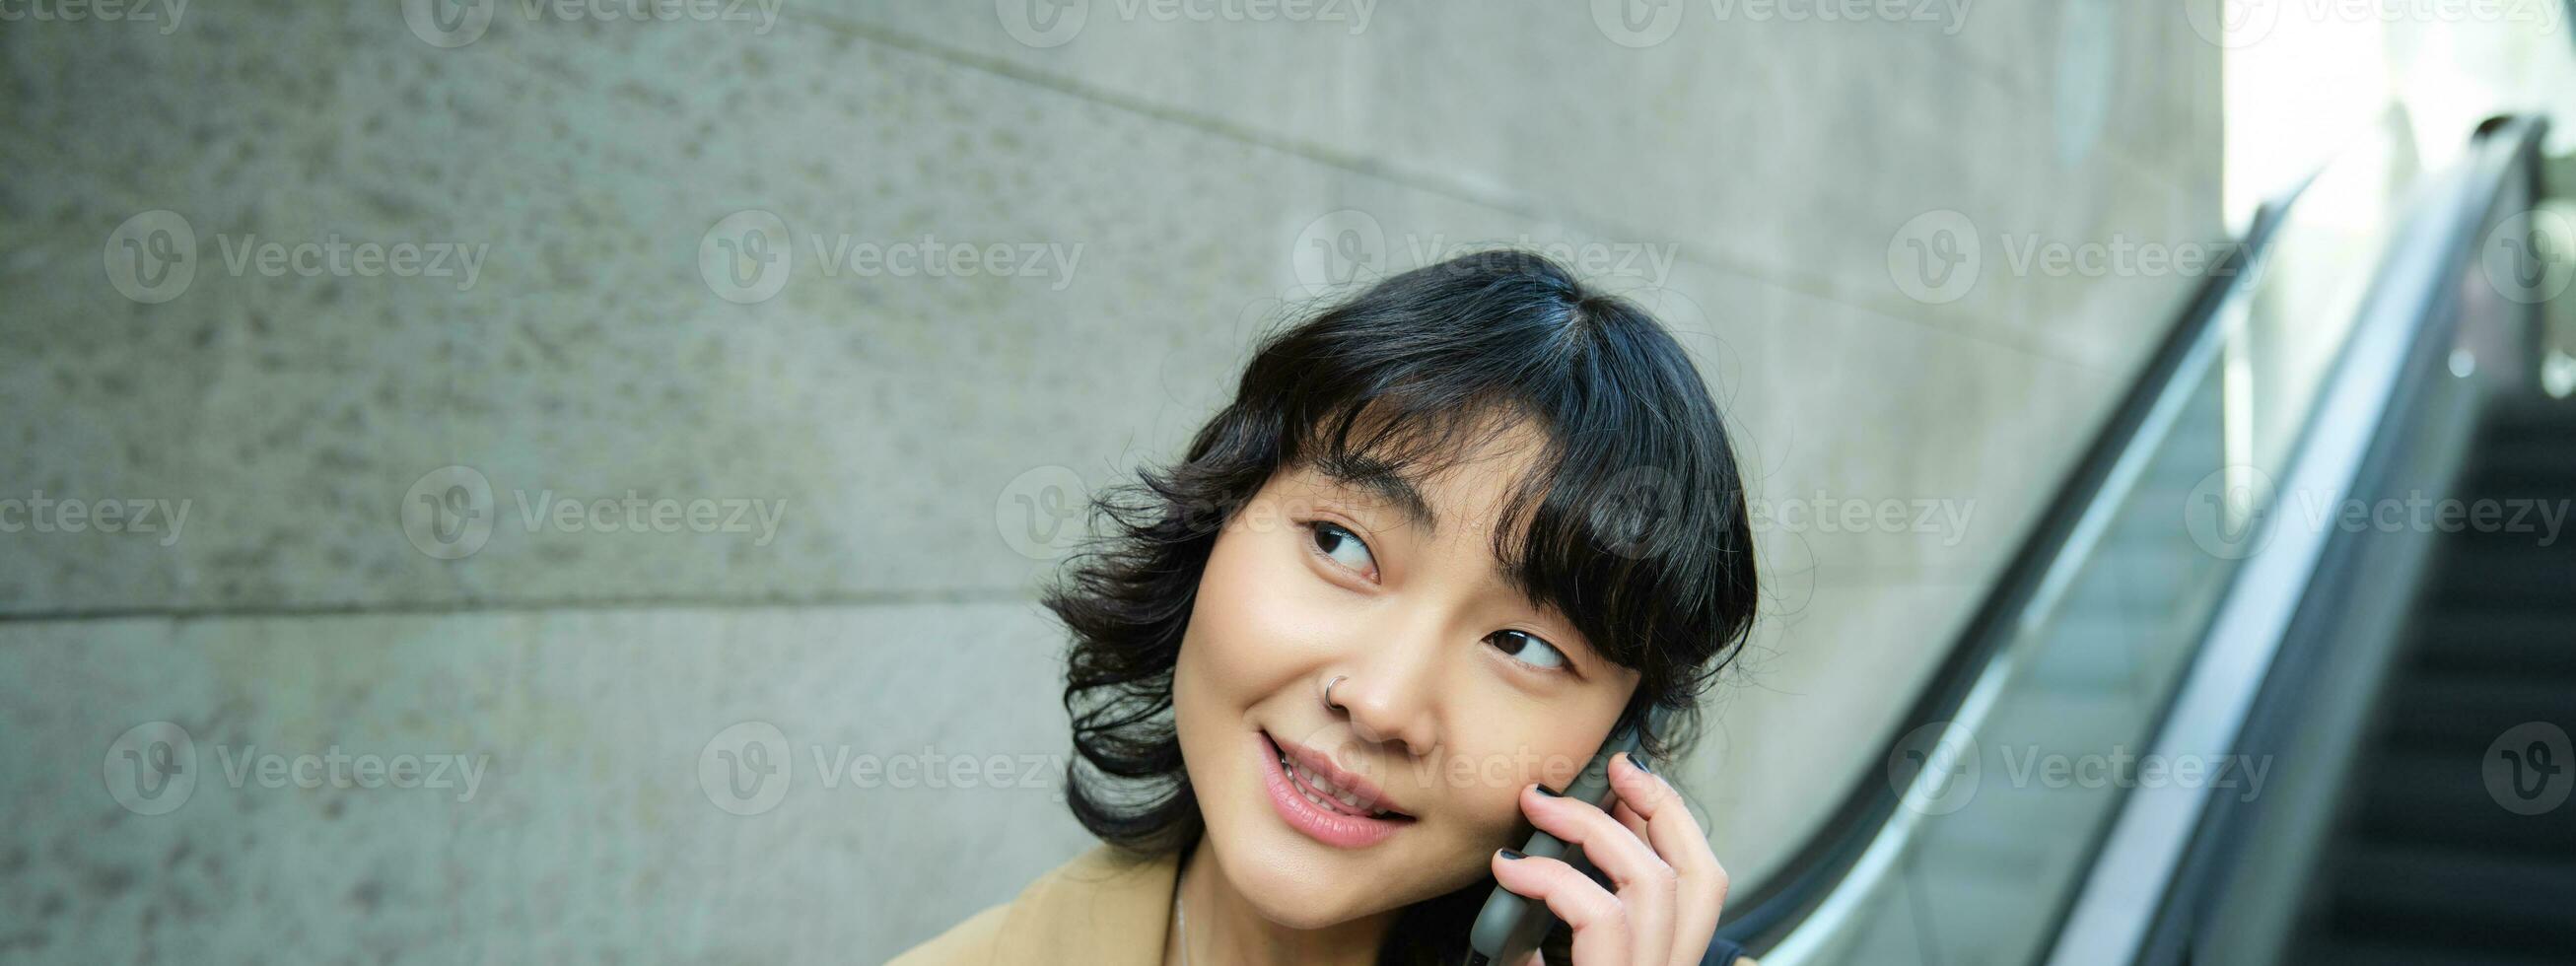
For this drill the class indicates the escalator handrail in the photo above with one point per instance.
(2163, 840)
(2026, 582)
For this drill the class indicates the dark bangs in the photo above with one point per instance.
(1632, 522)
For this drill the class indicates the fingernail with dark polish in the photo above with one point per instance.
(1640, 763)
(1508, 854)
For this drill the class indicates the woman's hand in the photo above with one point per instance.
(1670, 886)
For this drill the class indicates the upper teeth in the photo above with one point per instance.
(1318, 782)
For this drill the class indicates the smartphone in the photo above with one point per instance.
(1511, 925)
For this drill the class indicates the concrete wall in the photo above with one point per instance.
(835, 465)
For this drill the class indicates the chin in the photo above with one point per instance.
(1301, 892)
(1297, 883)
(1294, 880)
(1308, 907)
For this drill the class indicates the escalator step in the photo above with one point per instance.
(2517, 418)
(2463, 714)
(2525, 444)
(2472, 902)
(2486, 642)
(2538, 461)
(2386, 954)
(2504, 573)
(2441, 801)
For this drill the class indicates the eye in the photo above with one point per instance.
(1344, 547)
(1528, 649)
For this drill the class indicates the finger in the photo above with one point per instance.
(1600, 924)
(1701, 882)
(1629, 817)
(1618, 852)
(1647, 886)
(1670, 827)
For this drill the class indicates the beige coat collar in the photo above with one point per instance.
(1104, 906)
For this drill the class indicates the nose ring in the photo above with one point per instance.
(1328, 689)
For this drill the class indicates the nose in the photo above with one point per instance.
(1389, 694)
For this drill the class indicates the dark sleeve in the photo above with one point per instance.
(1721, 953)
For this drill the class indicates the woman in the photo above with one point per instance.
(1327, 670)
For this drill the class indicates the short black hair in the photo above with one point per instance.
(1633, 524)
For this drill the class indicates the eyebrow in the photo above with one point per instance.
(1379, 478)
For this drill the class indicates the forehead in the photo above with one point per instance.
(1462, 496)
(1450, 514)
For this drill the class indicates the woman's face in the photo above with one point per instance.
(1458, 690)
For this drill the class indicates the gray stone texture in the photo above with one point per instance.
(891, 423)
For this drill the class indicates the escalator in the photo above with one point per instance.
(2434, 865)
(2321, 739)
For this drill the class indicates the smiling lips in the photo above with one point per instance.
(1332, 787)
(1327, 803)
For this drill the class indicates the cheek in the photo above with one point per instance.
(1255, 622)
(1484, 783)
